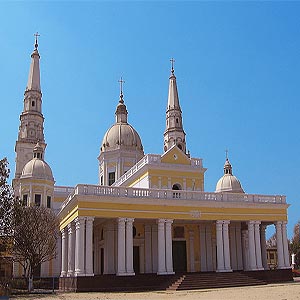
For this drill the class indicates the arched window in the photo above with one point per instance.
(176, 187)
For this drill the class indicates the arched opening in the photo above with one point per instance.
(176, 187)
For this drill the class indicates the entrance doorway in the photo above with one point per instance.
(136, 259)
(179, 256)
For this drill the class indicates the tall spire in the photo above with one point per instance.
(31, 129)
(34, 71)
(174, 133)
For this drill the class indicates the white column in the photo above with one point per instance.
(64, 252)
(168, 248)
(257, 246)
(227, 263)
(233, 248)
(154, 242)
(89, 247)
(121, 270)
(129, 247)
(220, 253)
(161, 245)
(203, 264)
(148, 252)
(71, 250)
(109, 249)
(192, 251)
(263, 246)
(239, 251)
(280, 253)
(251, 241)
(285, 246)
(245, 252)
(79, 246)
(209, 253)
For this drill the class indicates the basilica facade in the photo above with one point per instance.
(149, 213)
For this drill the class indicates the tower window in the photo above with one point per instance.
(37, 199)
(25, 200)
(33, 103)
(49, 201)
(111, 178)
(177, 120)
(101, 180)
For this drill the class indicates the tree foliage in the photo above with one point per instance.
(28, 233)
(35, 236)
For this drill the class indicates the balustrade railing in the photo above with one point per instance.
(152, 159)
(129, 192)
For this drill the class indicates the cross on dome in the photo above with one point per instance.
(121, 81)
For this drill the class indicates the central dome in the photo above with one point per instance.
(228, 182)
(121, 136)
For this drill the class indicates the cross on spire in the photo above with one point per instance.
(226, 152)
(172, 60)
(121, 81)
(36, 39)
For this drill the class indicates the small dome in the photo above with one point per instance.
(121, 136)
(37, 169)
(228, 182)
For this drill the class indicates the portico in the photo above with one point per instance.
(103, 242)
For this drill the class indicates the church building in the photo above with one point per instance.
(149, 213)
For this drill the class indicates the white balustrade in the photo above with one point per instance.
(159, 194)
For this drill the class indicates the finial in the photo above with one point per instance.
(226, 151)
(36, 40)
(121, 89)
(172, 60)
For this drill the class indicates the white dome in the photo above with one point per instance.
(37, 169)
(229, 183)
(121, 136)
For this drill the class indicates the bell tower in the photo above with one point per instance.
(174, 133)
(31, 129)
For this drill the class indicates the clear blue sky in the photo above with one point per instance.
(237, 67)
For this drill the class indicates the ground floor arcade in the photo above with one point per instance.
(127, 246)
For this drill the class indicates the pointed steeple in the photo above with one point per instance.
(174, 133)
(173, 100)
(31, 129)
(121, 111)
(34, 71)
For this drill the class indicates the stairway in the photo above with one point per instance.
(191, 281)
